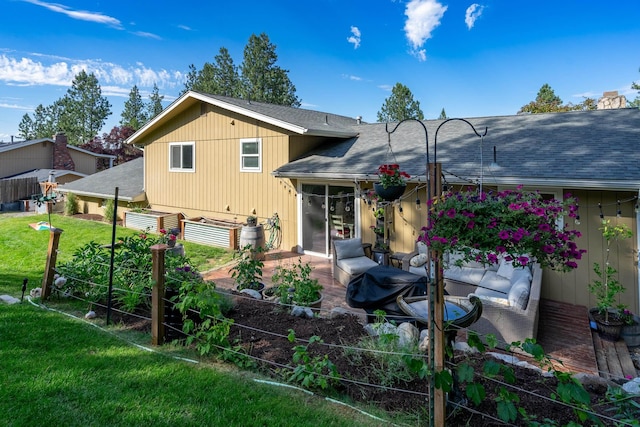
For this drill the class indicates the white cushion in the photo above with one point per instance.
(357, 265)
(505, 269)
(418, 260)
(521, 273)
(348, 248)
(493, 285)
(420, 271)
(464, 274)
(519, 294)
(422, 247)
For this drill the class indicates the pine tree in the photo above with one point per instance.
(134, 113)
(400, 106)
(154, 107)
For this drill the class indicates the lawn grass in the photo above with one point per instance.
(57, 370)
(23, 250)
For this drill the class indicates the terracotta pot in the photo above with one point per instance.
(391, 193)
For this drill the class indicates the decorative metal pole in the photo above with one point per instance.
(437, 397)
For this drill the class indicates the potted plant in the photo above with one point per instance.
(631, 328)
(247, 272)
(169, 237)
(252, 221)
(392, 182)
(294, 285)
(607, 286)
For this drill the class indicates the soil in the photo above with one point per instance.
(273, 350)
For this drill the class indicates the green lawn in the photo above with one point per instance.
(23, 250)
(59, 370)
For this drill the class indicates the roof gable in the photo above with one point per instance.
(297, 120)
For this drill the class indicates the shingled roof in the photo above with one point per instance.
(128, 177)
(587, 149)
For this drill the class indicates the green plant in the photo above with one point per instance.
(70, 204)
(294, 284)
(311, 371)
(247, 272)
(390, 175)
(607, 286)
(252, 221)
(519, 225)
(109, 209)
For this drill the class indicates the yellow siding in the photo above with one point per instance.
(34, 156)
(218, 189)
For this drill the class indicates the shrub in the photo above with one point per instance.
(109, 209)
(70, 204)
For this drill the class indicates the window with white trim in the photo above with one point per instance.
(251, 155)
(182, 157)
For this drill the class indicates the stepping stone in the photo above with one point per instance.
(9, 299)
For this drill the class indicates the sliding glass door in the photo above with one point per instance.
(328, 211)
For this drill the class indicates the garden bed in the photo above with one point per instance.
(212, 232)
(151, 220)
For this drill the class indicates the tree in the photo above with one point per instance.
(154, 107)
(218, 78)
(636, 102)
(399, 106)
(84, 109)
(134, 113)
(113, 143)
(548, 102)
(443, 115)
(26, 127)
(262, 80)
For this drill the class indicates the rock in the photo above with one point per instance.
(633, 386)
(9, 299)
(337, 312)
(464, 347)
(377, 329)
(252, 293)
(304, 312)
(424, 341)
(35, 292)
(90, 315)
(513, 360)
(591, 381)
(408, 334)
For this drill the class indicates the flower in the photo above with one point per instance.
(391, 175)
(519, 226)
(170, 235)
(626, 315)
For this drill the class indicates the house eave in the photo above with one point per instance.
(137, 198)
(609, 185)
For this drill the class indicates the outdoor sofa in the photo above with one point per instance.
(510, 295)
(349, 260)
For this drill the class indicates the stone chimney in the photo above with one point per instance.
(61, 157)
(611, 101)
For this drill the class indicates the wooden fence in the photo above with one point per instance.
(12, 190)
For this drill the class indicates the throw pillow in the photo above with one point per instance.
(422, 248)
(506, 269)
(519, 295)
(418, 260)
(348, 248)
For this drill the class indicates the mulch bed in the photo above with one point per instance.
(272, 349)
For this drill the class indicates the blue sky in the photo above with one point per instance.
(344, 56)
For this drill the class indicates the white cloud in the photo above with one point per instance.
(147, 35)
(423, 16)
(81, 15)
(473, 13)
(387, 88)
(30, 72)
(355, 37)
(185, 27)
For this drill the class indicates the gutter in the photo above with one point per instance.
(612, 185)
(136, 198)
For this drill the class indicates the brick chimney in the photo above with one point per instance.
(61, 157)
(612, 101)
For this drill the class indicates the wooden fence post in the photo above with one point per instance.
(157, 294)
(52, 254)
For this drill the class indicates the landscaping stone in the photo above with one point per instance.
(408, 334)
(633, 386)
(304, 312)
(9, 299)
(252, 293)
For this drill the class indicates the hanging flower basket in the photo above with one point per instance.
(391, 193)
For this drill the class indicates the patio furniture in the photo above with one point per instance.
(339, 228)
(349, 260)
(379, 287)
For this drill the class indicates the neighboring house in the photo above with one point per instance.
(226, 158)
(20, 157)
(94, 190)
